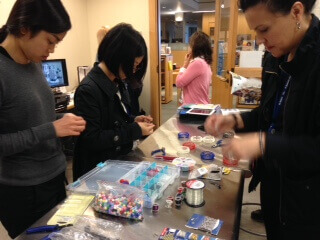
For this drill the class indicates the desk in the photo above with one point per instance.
(224, 203)
(70, 105)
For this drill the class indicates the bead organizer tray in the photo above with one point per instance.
(152, 178)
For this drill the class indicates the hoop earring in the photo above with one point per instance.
(298, 25)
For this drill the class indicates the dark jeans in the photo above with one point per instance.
(21, 206)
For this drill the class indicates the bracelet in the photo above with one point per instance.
(261, 143)
(235, 120)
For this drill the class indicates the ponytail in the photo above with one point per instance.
(3, 32)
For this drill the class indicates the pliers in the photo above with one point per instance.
(46, 228)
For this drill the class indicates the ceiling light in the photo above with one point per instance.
(178, 16)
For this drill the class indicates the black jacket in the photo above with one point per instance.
(110, 131)
(290, 168)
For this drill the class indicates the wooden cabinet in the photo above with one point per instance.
(166, 78)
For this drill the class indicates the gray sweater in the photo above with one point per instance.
(30, 152)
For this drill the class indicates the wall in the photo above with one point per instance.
(102, 12)
(75, 46)
(5, 7)
(316, 9)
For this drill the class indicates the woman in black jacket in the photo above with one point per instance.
(283, 134)
(103, 101)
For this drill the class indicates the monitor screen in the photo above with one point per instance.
(55, 71)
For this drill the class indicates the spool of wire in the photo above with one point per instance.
(208, 140)
(194, 193)
(207, 156)
(196, 139)
(185, 164)
(183, 136)
(155, 208)
(183, 151)
(190, 145)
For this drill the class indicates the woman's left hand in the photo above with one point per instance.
(142, 118)
(243, 146)
(187, 60)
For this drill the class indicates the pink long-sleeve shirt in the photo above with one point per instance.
(195, 82)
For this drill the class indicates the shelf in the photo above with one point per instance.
(166, 78)
(249, 106)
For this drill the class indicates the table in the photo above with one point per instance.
(224, 203)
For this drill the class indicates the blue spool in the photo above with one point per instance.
(183, 135)
(207, 156)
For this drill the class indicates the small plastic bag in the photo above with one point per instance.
(99, 227)
(89, 228)
(198, 172)
(247, 88)
(119, 200)
(71, 233)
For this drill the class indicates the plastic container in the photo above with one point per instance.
(207, 156)
(152, 178)
(196, 139)
(183, 136)
(190, 145)
(208, 140)
(183, 151)
(230, 161)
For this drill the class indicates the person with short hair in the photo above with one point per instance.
(32, 163)
(102, 100)
(195, 76)
(282, 135)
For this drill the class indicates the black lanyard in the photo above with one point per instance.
(278, 107)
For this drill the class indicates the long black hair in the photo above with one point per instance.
(119, 48)
(277, 6)
(200, 44)
(36, 16)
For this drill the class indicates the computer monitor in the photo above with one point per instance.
(55, 71)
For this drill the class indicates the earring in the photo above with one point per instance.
(298, 25)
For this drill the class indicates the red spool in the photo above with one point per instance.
(190, 145)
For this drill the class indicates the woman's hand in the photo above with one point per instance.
(187, 60)
(243, 146)
(69, 125)
(216, 125)
(146, 128)
(142, 118)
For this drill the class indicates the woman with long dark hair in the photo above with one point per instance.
(195, 76)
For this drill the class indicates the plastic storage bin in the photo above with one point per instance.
(152, 178)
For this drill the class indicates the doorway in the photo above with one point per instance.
(179, 19)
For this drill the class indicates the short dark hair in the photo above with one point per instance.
(36, 16)
(277, 6)
(200, 44)
(119, 48)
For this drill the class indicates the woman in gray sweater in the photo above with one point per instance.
(32, 164)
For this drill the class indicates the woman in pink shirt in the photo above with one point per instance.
(195, 76)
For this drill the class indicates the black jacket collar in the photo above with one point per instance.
(307, 46)
(101, 79)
